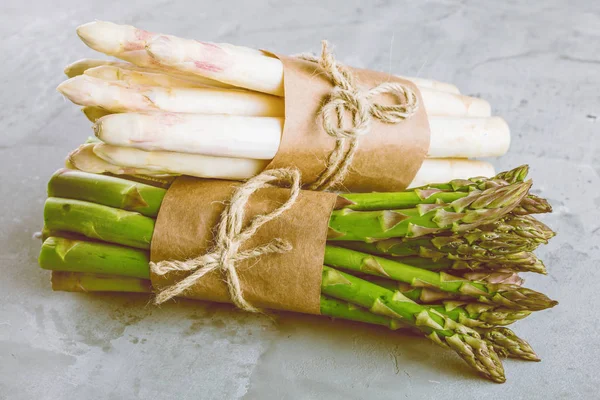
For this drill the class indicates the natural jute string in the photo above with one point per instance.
(347, 97)
(230, 237)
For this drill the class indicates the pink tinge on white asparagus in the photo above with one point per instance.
(453, 137)
(123, 41)
(222, 62)
(117, 96)
(166, 162)
(213, 135)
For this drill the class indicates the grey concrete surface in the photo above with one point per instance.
(537, 62)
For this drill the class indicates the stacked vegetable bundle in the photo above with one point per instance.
(441, 260)
(177, 106)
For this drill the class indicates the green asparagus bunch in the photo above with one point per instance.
(399, 250)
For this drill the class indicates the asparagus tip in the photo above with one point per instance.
(478, 355)
(521, 298)
(507, 344)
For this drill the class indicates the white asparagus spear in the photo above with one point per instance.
(468, 137)
(161, 162)
(166, 162)
(435, 170)
(147, 78)
(123, 41)
(259, 137)
(221, 62)
(445, 104)
(80, 66)
(217, 61)
(211, 135)
(117, 96)
(120, 96)
(84, 159)
(431, 84)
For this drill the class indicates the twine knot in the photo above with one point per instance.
(230, 237)
(346, 98)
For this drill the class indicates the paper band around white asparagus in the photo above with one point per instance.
(117, 96)
(123, 160)
(259, 137)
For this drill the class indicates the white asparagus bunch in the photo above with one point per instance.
(180, 106)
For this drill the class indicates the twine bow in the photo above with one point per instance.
(230, 237)
(347, 98)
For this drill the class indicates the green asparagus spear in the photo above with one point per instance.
(443, 193)
(444, 264)
(494, 277)
(106, 190)
(99, 222)
(91, 282)
(478, 207)
(532, 204)
(510, 296)
(507, 344)
(473, 315)
(524, 226)
(95, 257)
(444, 253)
(439, 328)
(429, 194)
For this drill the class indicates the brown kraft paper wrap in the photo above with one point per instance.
(290, 281)
(388, 157)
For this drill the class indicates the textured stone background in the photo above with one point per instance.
(537, 62)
